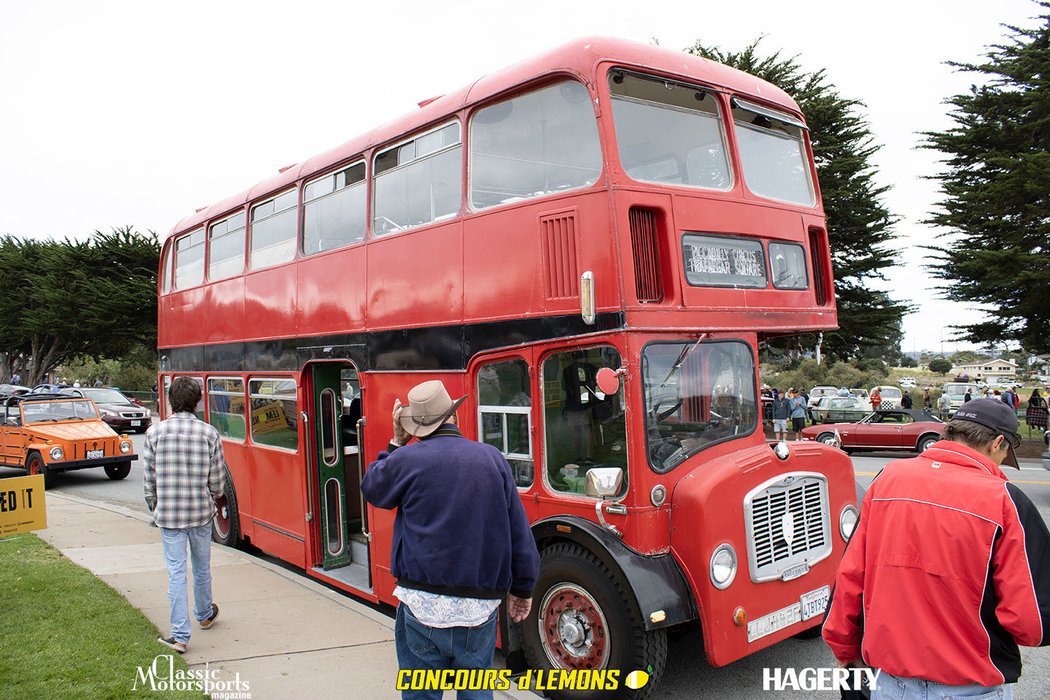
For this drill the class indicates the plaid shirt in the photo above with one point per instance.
(183, 471)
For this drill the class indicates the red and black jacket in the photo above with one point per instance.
(947, 572)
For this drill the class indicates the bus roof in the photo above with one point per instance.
(577, 57)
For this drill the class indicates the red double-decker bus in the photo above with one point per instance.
(591, 245)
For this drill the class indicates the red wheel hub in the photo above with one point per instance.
(573, 628)
(222, 520)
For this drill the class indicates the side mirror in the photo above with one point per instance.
(603, 482)
(608, 379)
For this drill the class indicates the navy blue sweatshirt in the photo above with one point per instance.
(460, 528)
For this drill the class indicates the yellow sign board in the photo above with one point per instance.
(268, 418)
(22, 504)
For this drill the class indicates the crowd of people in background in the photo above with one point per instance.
(789, 410)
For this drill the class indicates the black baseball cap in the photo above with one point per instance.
(994, 414)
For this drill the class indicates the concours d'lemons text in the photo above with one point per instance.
(500, 679)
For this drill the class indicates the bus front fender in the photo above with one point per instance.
(657, 583)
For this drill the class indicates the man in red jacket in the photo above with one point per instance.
(948, 569)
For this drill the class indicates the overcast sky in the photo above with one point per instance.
(138, 112)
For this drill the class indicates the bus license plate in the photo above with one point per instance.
(774, 622)
(136, 423)
(95, 454)
(815, 602)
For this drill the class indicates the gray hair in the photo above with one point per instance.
(969, 433)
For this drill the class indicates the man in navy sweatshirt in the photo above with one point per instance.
(461, 543)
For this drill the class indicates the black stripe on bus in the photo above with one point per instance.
(436, 348)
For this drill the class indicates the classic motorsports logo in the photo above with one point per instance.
(162, 675)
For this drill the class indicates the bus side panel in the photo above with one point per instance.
(489, 243)
(225, 302)
(271, 295)
(405, 268)
(277, 478)
(184, 316)
(332, 292)
(236, 454)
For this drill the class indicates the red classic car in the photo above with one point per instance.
(893, 429)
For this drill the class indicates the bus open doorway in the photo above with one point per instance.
(343, 518)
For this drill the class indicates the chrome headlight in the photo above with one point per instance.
(848, 522)
(107, 412)
(125, 447)
(723, 566)
(57, 453)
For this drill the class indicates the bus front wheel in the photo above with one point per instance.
(583, 617)
(226, 523)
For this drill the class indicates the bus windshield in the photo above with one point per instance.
(773, 153)
(696, 395)
(669, 132)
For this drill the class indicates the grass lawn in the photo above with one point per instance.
(66, 634)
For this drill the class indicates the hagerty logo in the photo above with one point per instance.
(810, 679)
(162, 675)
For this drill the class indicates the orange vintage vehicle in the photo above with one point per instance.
(49, 433)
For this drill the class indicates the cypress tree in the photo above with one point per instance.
(995, 210)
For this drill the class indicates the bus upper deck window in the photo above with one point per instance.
(275, 227)
(226, 242)
(669, 132)
(535, 144)
(773, 153)
(334, 210)
(189, 260)
(418, 181)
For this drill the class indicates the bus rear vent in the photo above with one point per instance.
(645, 244)
(558, 233)
(818, 253)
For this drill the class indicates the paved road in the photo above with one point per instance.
(688, 675)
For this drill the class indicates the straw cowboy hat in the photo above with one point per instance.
(429, 406)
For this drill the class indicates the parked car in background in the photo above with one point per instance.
(891, 396)
(893, 429)
(819, 392)
(908, 383)
(48, 388)
(120, 412)
(840, 409)
(956, 393)
(12, 390)
(49, 433)
(860, 394)
(816, 394)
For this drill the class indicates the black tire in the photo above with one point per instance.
(925, 441)
(118, 471)
(35, 465)
(826, 438)
(226, 523)
(604, 610)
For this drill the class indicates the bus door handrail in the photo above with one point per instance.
(361, 475)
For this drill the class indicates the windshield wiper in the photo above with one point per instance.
(682, 357)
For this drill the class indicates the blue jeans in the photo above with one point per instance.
(896, 688)
(423, 647)
(199, 539)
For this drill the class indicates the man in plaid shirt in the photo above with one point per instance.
(184, 475)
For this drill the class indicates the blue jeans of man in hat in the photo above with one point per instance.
(421, 647)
